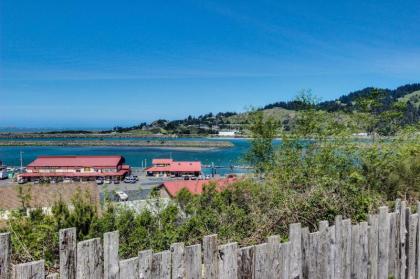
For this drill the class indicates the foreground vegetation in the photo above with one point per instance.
(316, 173)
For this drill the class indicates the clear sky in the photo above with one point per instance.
(96, 63)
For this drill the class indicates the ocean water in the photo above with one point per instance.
(134, 156)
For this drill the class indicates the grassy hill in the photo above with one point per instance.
(414, 98)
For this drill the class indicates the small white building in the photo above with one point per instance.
(230, 133)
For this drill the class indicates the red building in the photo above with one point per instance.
(169, 167)
(170, 189)
(80, 168)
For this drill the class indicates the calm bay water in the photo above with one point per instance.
(134, 155)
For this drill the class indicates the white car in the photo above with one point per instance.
(122, 196)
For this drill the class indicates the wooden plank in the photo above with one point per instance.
(346, 248)
(393, 245)
(161, 265)
(210, 260)
(364, 250)
(383, 236)
(295, 238)
(111, 258)
(274, 256)
(355, 252)
(145, 264)
(331, 253)
(228, 261)
(262, 263)
(178, 260)
(193, 262)
(67, 251)
(89, 259)
(313, 255)
(305, 252)
(129, 269)
(403, 240)
(5, 254)
(338, 264)
(246, 263)
(373, 247)
(323, 249)
(32, 270)
(412, 246)
(285, 260)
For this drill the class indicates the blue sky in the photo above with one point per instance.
(104, 63)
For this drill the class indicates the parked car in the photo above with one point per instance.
(21, 181)
(122, 196)
(116, 181)
(99, 181)
(67, 180)
(107, 181)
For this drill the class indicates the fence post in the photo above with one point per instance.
(295, 237)
(32, 270)
(383, 243)
(111, 258)
(262, 264)
(393, 244)
(67, 247)
(313, 255)
(355, 251)
(338, 264)
(332, 247)
(274, 256)
(403, 240)
(228, 261)
(89, 259)
(305, 252)
(246, 263)
(161, 265)
(412, 245)
(193, 262)
(323, 249)
(285, 260)
(5, 253)
(373, 247)
(211, 267)
(364, 247)
(178, 260)
(418, 241)
(346, 238)
(145, 264)
(129, 269)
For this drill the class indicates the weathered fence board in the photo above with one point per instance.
(412, 246)
(5, 254)
(178, 260)
(246, 263)
(161, 265)
(228, 261)
(193, 263)
(145, 264)
(89, 259)
(295, 238)
(262, 262)
(111, 258)
(211, 266)
(32, 270)
(129, 269)
(373, 247)
(53, 276)
(67, 248)
(387, 246)
(383, 235)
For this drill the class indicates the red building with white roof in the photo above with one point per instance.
(169, 167)
(84, 168)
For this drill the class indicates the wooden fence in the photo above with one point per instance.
(387, 246)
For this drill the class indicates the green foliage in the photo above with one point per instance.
(317, 172)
